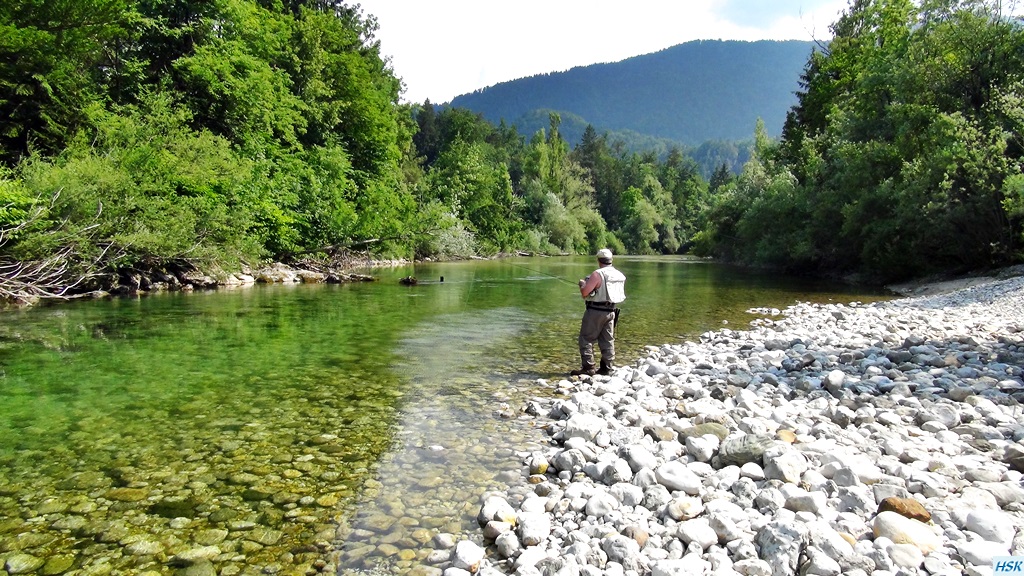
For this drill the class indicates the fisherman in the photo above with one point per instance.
(602, 291)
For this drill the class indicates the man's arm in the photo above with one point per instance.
(590, 284)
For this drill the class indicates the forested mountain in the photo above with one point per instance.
(689, 94)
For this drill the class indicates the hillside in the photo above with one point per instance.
(690, 93)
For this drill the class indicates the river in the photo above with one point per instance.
(305, 428)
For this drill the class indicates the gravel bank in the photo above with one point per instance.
(863, 439)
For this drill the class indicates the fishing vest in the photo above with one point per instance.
(612, 288)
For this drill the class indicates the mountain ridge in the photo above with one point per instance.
(691, 93)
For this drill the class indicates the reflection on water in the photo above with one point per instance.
(452, 439)
(258, 430)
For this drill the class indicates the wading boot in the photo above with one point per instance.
(606, 368)
(584, 371)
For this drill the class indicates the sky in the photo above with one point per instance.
(443, 48)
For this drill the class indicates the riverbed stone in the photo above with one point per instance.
(496, 508)
(992, 525)
(533, 528)
(785, 465)
(127, 494)
(714, 428)
(902, 530)
(854, 439)
(739, 450)
(585, 426)
(22, 563)
(467, 556)
(780, 543)
(676, 475)
(908, 507)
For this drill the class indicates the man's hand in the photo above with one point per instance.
(589, 284)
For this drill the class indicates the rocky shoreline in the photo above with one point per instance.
(309, 272)
(863, 439)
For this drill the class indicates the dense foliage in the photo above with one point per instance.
(503, 192)
(903, 156)
(142, 136)
(154, 135)
(710, 155)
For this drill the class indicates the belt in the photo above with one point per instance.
(603, 306)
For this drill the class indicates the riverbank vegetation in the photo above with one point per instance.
(139, 136)
(903, 156)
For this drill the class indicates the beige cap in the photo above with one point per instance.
(604, 254)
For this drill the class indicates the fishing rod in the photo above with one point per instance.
(559, 278)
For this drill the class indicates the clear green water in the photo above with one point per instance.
(286, 425)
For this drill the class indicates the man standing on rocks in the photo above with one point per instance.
(602, 290)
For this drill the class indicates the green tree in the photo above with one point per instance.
(900, 142)
(428, 134)
(52, 61)
(478, 191)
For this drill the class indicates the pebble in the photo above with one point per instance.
(826, 439)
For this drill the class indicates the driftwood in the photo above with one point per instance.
(83, 259)
(61, 274)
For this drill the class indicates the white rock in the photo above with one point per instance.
(572, 460)
(507, 544)
(585, 426)
(686, 566)
(533, 504)
(496, 508)
(903, 530)
(787, 466)
(684, 508)
(752, 470)
(528, 559)
(981, 552)
(726, 528)
(992, 525)
(467, 556)
(654, 368)
(702, 448)
(697, 530)
(819, 564)
(905, 555)
(1004, 492)
(835, 378)
(495, 528)
(610, 386)
(656, 496)
(444, 541)
(813, 502)
(752, 567)
(675, 475)
(781, 542)
(623, 550)
(533, 528)
(639, 457)
(600, 504)
(824, 537)
(617, 471)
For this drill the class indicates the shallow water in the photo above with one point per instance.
(291, 429)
